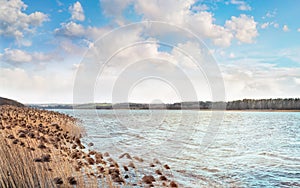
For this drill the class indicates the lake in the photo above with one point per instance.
(246, 149)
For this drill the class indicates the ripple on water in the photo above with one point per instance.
(250, 149)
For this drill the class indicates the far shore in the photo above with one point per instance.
(225, 110)
(258, 110)
(264, 105)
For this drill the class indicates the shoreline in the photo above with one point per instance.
(246, 110)
(264, 110)
(45, 148)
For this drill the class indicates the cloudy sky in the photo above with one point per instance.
(148, 50)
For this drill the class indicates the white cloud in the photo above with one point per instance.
(94, 33)
(115, 8)
(297, 80)
(158, 62)
(16, 56)
(181, 13)
(36, 87)
(75, 50)
(268, 24)
(291, 53)
(25, 42)
(254, 80)
(145, 60)
(164, 10)
(265, 25)
(205, 27)
(298, 29)
(14, 22)
(285, 28)
(45, 57)
(199, 8)
(276, 25)
(242, 5)
(244, 28)
(190, 49)
(20, 56)
(77, 11)
(251, 81)
(71, 29)
(84, 37)
(270, 14)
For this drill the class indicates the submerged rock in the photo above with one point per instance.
(148, 179)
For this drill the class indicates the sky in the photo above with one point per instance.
(149, 50)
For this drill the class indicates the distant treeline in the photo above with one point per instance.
(264, 104)
(246, 104)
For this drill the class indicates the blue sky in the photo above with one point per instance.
(255, 44)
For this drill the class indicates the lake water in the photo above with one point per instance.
(246, 149)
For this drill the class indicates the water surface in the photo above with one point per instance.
(249, 149)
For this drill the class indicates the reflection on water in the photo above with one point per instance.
(251, 149)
